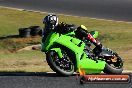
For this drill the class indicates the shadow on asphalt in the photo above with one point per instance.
(45, 74)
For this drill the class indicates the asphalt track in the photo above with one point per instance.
(50, 80)
(120, 10)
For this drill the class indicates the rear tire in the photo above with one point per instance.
(111, 70)
(117, 69)
(114, 66)
(50, 60)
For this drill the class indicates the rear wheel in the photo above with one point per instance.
(63, 66)
(114, 64)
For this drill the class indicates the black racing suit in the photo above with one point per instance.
(83, 34)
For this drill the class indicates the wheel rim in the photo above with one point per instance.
(116, 64)
(113, 60)
(64, 63)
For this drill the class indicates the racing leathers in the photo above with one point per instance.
(82, 33)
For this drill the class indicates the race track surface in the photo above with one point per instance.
(120, 10)
(50, 80)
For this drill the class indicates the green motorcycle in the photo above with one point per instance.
(66, 54)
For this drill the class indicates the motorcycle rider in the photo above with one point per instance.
(51, 23)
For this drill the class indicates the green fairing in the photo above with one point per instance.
(70, 33)
(49, 41)
(58, 50)
(77, 46)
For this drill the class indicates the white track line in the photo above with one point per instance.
(61, 14)
(125, 71)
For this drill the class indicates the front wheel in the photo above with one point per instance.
(63, 66)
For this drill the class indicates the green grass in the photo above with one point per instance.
(12, 20)
(24, 61)
(115, 35)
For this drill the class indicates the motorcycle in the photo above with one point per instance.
(65, 54)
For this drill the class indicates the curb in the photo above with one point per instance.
(37, 11)
(127, 71)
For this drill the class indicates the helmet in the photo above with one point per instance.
(50, 21)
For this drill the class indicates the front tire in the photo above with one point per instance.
(56, 63)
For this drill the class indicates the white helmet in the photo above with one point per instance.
(50, 21)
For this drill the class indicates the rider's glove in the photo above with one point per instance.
(99, 47)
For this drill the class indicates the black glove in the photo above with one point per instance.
(98, 49)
